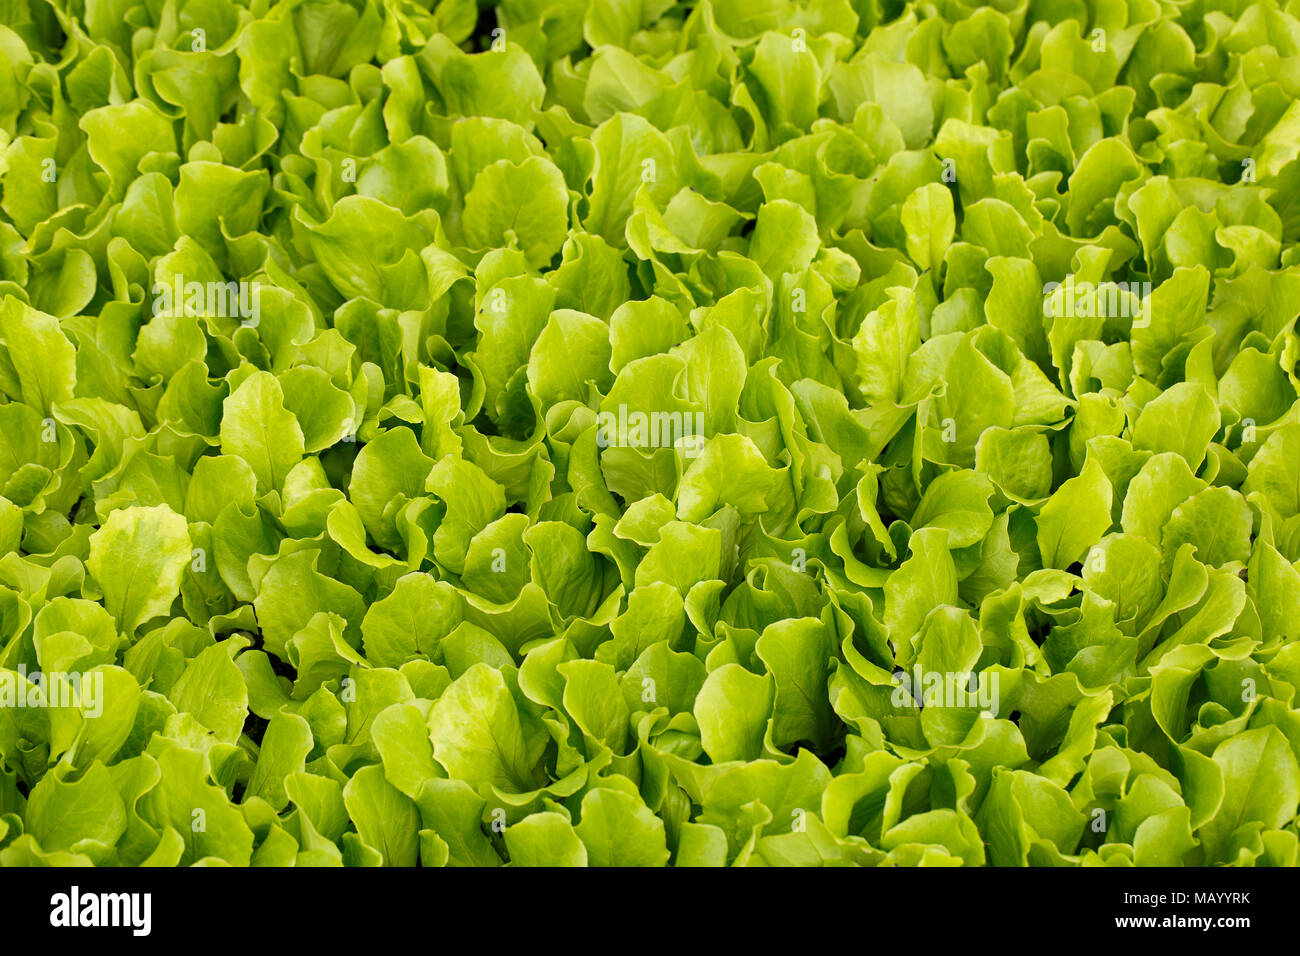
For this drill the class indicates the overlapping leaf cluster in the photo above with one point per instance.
(363, 581)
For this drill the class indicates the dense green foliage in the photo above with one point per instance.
(627, 433)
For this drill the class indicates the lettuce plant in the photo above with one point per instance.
(638, 433)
